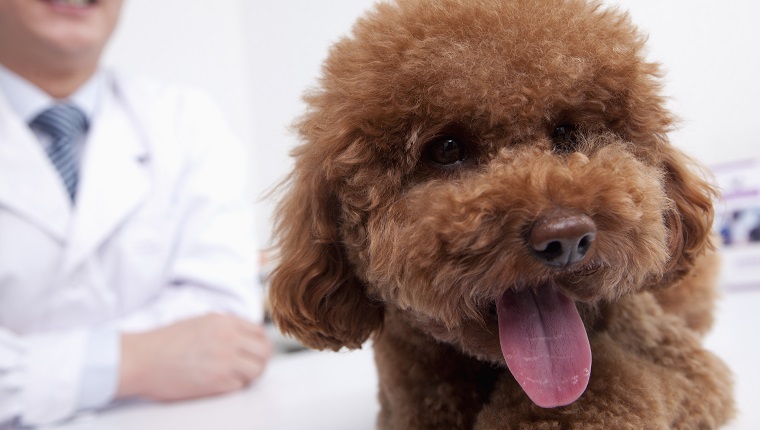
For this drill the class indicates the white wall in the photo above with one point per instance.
(257, 57)
(287, 40)
(709, 51)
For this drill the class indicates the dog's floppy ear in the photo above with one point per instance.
(691, 218)
(314, 294)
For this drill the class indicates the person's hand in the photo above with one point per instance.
(198, 357)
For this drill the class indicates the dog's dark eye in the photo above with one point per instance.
(565, 137)
(446, 151)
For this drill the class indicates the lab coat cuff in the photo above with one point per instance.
(101, 369)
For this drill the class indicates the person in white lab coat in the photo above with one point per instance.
(140, 282)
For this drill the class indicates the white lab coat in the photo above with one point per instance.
(162, 230)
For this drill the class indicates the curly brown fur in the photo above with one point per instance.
(391, 231)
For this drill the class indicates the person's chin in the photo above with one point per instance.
(78, 25)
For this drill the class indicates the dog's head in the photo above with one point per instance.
(460, 153)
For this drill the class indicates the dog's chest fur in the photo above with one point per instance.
(418, 371)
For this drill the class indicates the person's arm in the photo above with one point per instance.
(41, 375)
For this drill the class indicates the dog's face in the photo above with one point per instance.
(461, 154)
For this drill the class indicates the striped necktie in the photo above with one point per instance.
(64, 124)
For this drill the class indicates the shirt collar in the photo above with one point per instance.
(28, 101)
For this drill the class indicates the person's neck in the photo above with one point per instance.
(58, 82)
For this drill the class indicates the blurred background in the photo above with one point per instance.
(256, 58)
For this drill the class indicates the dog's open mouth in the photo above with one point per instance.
(544, 343)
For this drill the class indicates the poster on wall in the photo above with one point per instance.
(737, 221)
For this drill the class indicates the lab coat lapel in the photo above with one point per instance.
(114, 179)
(29, 183)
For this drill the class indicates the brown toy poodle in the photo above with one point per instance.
(486, 190)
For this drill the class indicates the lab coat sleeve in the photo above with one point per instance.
(214, 268)
(32, 390)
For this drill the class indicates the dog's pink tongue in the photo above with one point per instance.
(545, 344)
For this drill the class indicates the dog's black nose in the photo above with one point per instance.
(561, 239)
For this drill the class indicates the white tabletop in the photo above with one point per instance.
(301, 390)
(337, 391)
